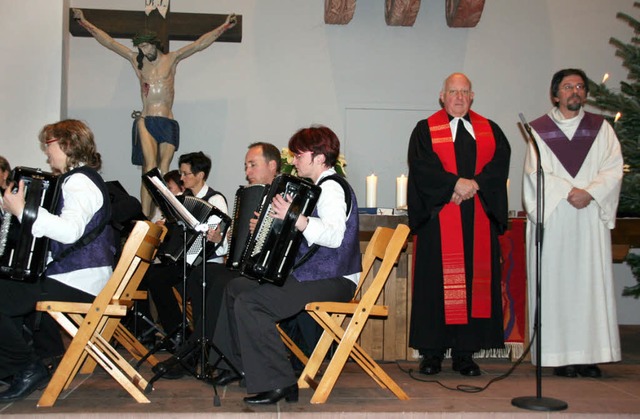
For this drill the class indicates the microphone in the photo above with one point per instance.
(524, 123)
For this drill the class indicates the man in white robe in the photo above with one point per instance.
(582, 165)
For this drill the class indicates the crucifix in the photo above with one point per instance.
(155, 132)
(126, 24)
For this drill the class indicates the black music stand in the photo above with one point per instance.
(174, 213)
(178, 213)
(538, 402)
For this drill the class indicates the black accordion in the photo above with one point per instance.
(271, 250)
(201, 210)
(22, 256)
(248, 200)
(181, 233)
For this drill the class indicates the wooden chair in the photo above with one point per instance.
(386, 244)
(91, 325)
(289, 343)
(127, 339)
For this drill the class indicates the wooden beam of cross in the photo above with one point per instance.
(176, 26)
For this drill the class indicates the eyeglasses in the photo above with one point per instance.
(463, 92)
(185, 174)
(569, 87)
(50, 141)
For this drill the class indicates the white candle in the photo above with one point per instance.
(372, 190)
(401, 191)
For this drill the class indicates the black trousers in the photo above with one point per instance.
(17, 304)
(217, 277)
(246, 331)
(159, 281)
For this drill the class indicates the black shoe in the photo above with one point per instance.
(226, 377)
(430, 365)
(290, 394)
(465, 365)
(171, 369)
(570, 371)
(34, 377)
(590, 370)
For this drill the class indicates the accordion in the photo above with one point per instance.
(248, 199)
(179, 239)
(181, 232)
(22, 256)
(271, 250)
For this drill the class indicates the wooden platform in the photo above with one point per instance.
(616, 395)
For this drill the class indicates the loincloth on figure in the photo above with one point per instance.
(162, 129)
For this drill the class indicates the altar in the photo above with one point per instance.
(387, 339)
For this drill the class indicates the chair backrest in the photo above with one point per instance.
(144, 251)
(137, 253)
(386, 244)
(378, 248)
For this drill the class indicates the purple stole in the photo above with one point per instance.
(570, 153)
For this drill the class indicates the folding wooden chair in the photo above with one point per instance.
(289, 343)
(116, 330)
(386, 244)
(91, 325)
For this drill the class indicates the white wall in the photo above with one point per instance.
(31, 76)
(292, 70)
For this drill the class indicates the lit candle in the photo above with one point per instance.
(401, 191)
(618, 115)
(372, 190)
(606, 76)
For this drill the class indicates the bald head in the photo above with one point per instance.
(456, 94)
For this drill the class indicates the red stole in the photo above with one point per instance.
(455, 295)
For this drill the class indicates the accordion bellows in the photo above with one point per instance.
(22, 256)
(248, 200)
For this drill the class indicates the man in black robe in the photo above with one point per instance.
(457, 202)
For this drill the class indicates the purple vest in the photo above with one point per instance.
(334, 263)
(570, 153)
(97, 253)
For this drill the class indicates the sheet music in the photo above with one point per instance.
(181, 210)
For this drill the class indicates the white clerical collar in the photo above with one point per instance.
(454, 127)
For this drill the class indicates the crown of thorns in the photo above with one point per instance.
(146, 37)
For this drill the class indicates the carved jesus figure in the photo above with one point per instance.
(156, 134)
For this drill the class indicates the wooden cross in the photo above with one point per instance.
(176, 26)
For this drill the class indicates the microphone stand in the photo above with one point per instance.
(538, 402)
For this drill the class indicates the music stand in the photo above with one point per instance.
(176, 212)
(538, 402)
